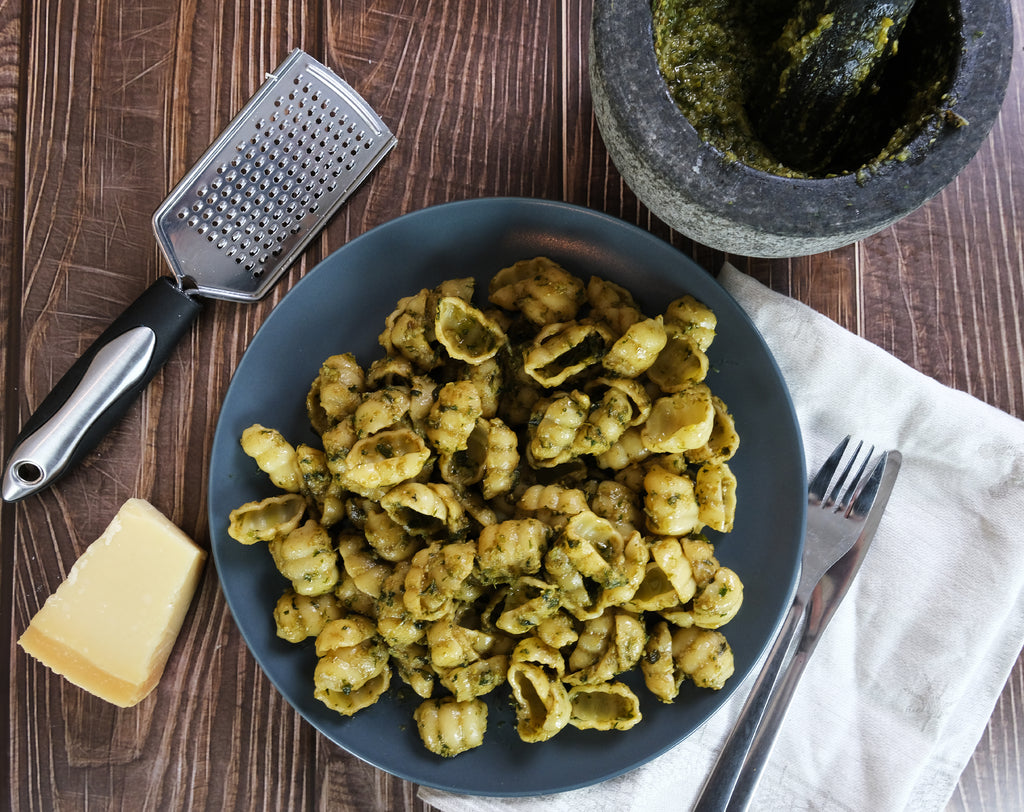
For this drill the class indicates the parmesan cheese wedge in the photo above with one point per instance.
(110, 626)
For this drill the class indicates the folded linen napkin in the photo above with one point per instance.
(903, 682)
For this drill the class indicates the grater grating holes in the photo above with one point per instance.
(275, 177)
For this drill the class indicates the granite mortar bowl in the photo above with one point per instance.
(731, 207)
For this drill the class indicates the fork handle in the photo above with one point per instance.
(733, 762)
(763, 740)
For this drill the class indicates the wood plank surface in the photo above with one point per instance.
(104, 106)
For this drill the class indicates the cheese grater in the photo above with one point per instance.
(229, 229)
(273, 178)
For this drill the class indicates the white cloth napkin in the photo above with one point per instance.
(902, 684)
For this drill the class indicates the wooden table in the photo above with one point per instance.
(104, 105)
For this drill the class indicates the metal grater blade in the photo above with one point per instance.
(271, 180)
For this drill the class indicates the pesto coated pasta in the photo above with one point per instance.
(511, 499)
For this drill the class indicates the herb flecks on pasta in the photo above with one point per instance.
(513, 496)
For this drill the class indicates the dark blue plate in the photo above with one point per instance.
(341, 306)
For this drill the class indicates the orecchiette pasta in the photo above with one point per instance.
(449, 726)
(702, 655)
(307, 558)
(561, 351)
(715, 487)
(692, 318)
(353, 669)
(719, 601)
(670, 503)
(542, 701)
(267, 519)
(380, 461)
(476, 678)
(511, 548)
(513, 497)
(605, 706)
(301, 616)
(379, 409)
(554, 429)
(539, 289)
(680, 422)
(552, 504)
(338, 386)
(453, 416)
(501, 460)
(637, 349)
(274, 455)
(467, 333)
(612, 305)
(680, 364)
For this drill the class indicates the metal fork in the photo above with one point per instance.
(842, 516)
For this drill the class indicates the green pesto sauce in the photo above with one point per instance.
(720, 58)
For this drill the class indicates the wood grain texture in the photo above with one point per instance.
(11, 165)
(104, 106)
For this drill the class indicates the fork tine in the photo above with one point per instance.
(868, 490)
(819, 485)
(830, 497)
(843, 503)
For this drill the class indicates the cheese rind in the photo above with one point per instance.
(110, 626)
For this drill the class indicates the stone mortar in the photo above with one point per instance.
(739, 210)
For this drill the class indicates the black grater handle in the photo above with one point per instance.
(97, 391)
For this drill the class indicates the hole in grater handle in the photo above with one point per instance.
(273, 178)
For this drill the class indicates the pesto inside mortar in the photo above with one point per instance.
(720, 59)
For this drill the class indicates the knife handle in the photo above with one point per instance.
(717, 793)
(763, 740)
(98, 389)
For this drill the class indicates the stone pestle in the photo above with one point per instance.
(829, 56)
